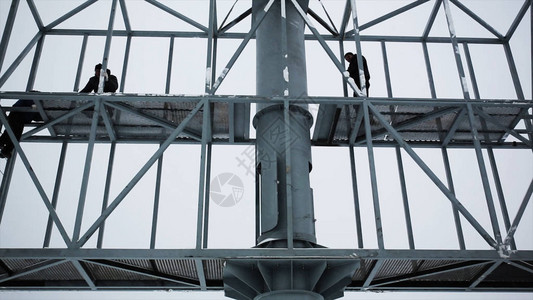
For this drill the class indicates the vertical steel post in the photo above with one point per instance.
(169, 64)
(357, 208)
(405, 198)
(490, 151)
(207, 189)
(209, 72)
(125, 64)
(157, 193)
(357, 39)
(107, 187)
(373, 178)
(484, 176)
(458, 61)
(55, 196)
(451, 187)
(86, 173)
(80, 63)
(202, 195)
(107, 46)
(35, 63)
(6, 182)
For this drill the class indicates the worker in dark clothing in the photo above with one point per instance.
(353, 69)
(110, 84)
(16, 120)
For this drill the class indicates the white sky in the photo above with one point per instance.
(330, 178)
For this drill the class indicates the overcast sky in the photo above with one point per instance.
(330, 178)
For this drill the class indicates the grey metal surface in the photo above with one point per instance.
(141, 118)
(180, 274)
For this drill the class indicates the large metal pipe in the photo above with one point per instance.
(270, 69)
(283, 148)
(283, 161)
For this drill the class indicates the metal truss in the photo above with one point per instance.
(403, 124)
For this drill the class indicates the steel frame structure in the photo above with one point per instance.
(473, 123)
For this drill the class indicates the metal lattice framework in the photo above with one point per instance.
(403, 124)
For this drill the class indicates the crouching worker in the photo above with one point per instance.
(16, 120)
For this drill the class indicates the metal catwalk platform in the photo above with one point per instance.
(339, 121)
(380, 270)
(127, 118)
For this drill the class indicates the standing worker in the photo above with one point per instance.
(353, 69)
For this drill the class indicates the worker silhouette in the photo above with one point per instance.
(16, 120)
(353, 69)
(110, 84)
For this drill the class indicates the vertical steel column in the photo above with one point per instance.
(516, 81)
(401, 173)
(109, 174)
(451, 187)
(55, 196)
(35, 64)
(456, 52)
(209, 73)
(373, 179)
(125, 64)
(271, 74)
(86, 173)
(514, 71)
(6, 182)
(484, 176)
(355, 190)
(80, 62)
(357, 39)
(107, 46)
(405, 198)
(490, 151)
(207, 189)
(169, 64)
(283, 142)
(157, 194)
(464, 85)
(202, 195)
(444, 151)
(341, 50)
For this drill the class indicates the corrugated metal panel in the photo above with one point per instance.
(108, 273)
(362, 272)
(213, 269)
(64, 271)
(463, 275)
(392, 268)
(182, 268)
(432, 264)
(427, 130)
(141, 263)
(19, 264)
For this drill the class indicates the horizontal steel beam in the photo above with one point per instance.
(256, 253)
